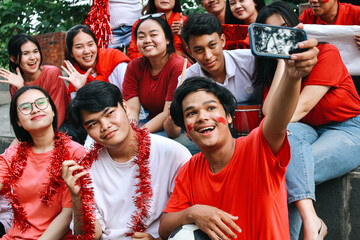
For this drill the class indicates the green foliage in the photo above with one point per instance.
(191, 6)
(36, 17)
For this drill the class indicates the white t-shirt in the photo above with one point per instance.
(240, 67)
(114, 186)
(124, 12)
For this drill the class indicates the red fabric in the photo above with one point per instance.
(107, 60)
(237, 36)
(152, 90)
(29, 187)
(348, 14)
(49, 80)
(251, 186)
(133, 51)
(342, 101)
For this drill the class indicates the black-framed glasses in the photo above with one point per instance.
(27, 107)
(154, 15)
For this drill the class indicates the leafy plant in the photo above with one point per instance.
(37, 17)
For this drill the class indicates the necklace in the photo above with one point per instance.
(18, 164)
(143, 194)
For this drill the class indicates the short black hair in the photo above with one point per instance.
(165, 27)
(195, 84)
(21, 134)
(71, 34)
(93, 97)
(200, 24)
(14, 49)
(231, 19)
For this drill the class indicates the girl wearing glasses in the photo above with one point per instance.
(170, 10)
(30, 171)
(324, 132)
(25, 60)
(150, 80)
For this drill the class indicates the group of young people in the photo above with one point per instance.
(133, 184)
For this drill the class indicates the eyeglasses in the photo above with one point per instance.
(27, 107)
(154, 15)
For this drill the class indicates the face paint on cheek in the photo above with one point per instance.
(324, 1)
(221, 120)
(189, 127)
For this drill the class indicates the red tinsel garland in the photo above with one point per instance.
(98, 20)
(143, 193)
(18, 164)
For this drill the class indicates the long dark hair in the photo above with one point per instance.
(231, 19)
(20, 133)
(165, 27)
(150, 7)
(14, 49)
(69, 39)
(265, 67)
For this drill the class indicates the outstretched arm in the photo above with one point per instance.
(285, 99)
(213, 221)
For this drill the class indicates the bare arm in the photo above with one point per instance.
(285, 99)
(133, 105)
(59, 226)
(309, 97)
(68, 168)
(213, 221)
(274, 85)
(157, 122)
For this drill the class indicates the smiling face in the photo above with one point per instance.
(84, 50)
(109, 127)
(205, 120)
(214, 6)
(37, 119)
(244, 10)
(208, 52)
(151, 41)
(30, 59)
(164, 5)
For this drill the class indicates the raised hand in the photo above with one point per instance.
(14, 79)
(74, 77)
(216, 223)
(176, 26)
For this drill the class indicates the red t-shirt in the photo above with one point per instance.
(251, 186)
(348, 14)
(49, 80)
(30, 186)
(152, 90)
(133, 51)
(342, 101)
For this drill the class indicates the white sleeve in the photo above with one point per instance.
(118, 74)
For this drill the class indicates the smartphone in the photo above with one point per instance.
(275, 41)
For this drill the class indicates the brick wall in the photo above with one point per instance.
(52, 47)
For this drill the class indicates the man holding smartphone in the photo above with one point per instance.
(235, 188)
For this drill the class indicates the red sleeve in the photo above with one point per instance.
(174, 76)
(326, 72)
(58, 93)
(133, 51)
(179, 199)
(132, 79)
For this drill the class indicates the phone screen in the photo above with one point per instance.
(274, 41)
